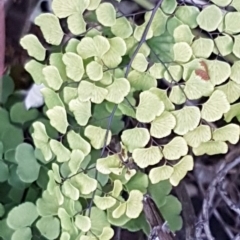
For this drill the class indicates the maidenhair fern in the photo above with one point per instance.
(122, 97)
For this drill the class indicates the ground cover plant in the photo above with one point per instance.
(129, 106)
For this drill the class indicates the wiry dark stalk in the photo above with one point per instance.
(143, 39)
(102, 153)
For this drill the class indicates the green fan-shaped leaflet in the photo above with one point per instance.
(109, 164)
(147, 156)
(120, 210)
(106, 234)
(71, 45)
(22, 215)
(94, 71)
(159, 22)
(218, 71)
(215, 107)
(236, 46)
(65, 220)
(123, 219)
(182, 52)
(171, 213)
(211, 148)
(141, 81)
(139, 181)
(113, 57)
(221, 3)
(74, 66)
(173, 73)
(93, 5)
(188, 15)
(47, 204)
(183, 33)
(22, 233)
(104, 203)
(69, 93)
(96, 46)
(81, 111)
(84, 183)
(231, 90)
(196, 87)
(172, 24)
(35, 68)
(51, 98)
(202, 47)
(187, 119)
(40, 139)
(97, 136)
(149, 107)
(28, 167)
(76, 158)
(118, 90)
(8, 85)
(61, 152)
(162, 126)
(50, 27)
(55, 174)
(76, 24)
(157, 70)
(75, 142)
(140, 63)
(235, 4)
(235, 72)
(106, 79)
(19, 114)
(200, 134)
(191, 66)
(160, 173)
(180, 169)
(49, 227)
(162, 95)
(122, 28)
(58, 118)
(106, 14)
(99, 220)
(55, 59)
(135, 138)
(175, 149)
(210, 18)
(83, 223)
(224, 45)
(134, 204)
(89, 91)
(228, 133)
(117, 188)
(70, 191)
(65, 8)
(52, 77)
(159, 192)
(233, 112)
(231, 25)
(33, 46)
(168, 6)
(65, 236)
(126, 108)
(138, 32)
(131, 44)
